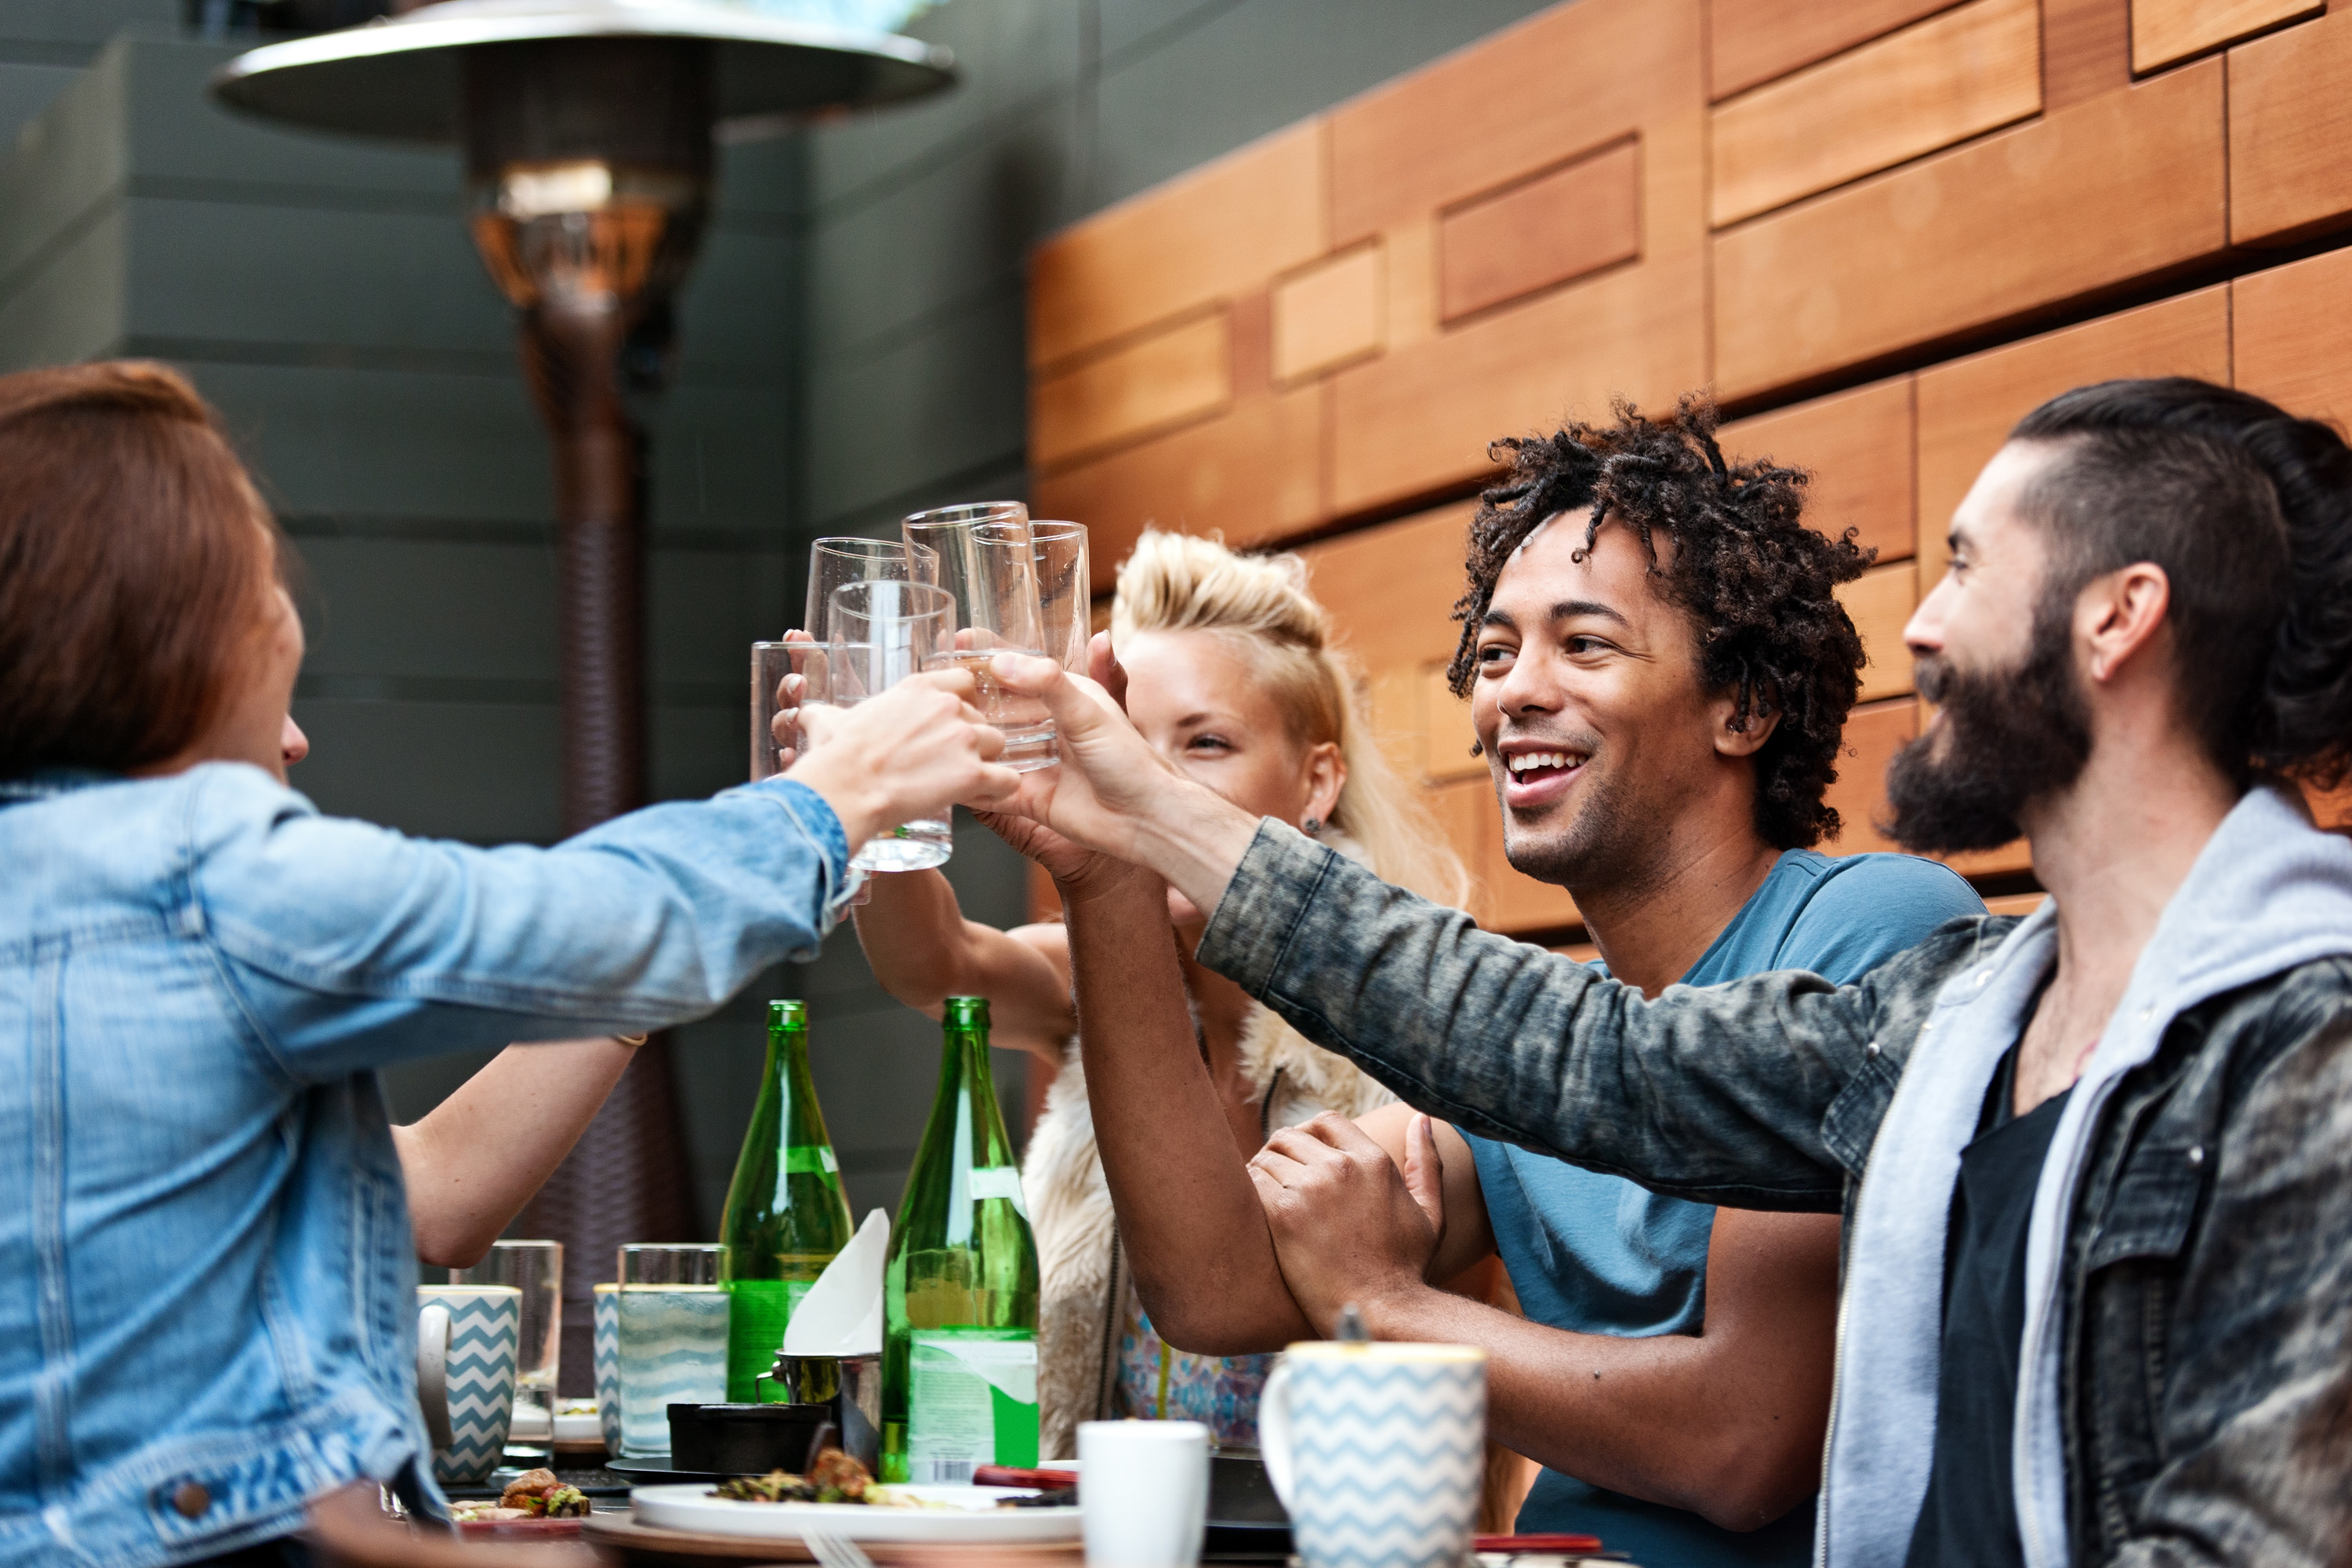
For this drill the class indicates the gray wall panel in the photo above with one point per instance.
(947, 401)
(68, 306)
(484, 772)
(284, 276)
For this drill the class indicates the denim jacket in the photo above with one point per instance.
(207, 1310)
(2203, 1273)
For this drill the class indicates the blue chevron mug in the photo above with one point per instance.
(1378, 1450)
(466, 1339)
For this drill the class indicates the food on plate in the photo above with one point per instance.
(838, 1477)
(834, 1478)
(534, 1494)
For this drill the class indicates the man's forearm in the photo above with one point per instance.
(1719, 1095)
(1665, 1417)
(1196, 842)
(1188, 1218)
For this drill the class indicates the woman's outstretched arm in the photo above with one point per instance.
(923, 951)
(479, 1156)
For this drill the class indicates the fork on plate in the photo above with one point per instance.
(833, 1551)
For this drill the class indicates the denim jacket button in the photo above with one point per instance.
(2197, 1153)
(1871, 1049)
(191, 1499)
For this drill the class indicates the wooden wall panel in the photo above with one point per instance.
(1874, 731)
(2085, 50)
(1447, 733)
(1565, 82)
(1880, 602)
(2290, 122)
(1951, 77)
(1420, 418)
(1170, 377)
(2163, 31)
(1859, 446)
(1560, 225)
(2112, 190)
(1752, 41)
(1220, 230)
(1252, 476)
(1330, 314)
(1464, 815)
(1965, 408)
(1392, 589)
(2291, 336)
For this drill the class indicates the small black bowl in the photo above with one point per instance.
(749, 1439)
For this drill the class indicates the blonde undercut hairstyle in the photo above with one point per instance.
(1260, 606)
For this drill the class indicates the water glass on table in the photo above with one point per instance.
(987, 560)
(883, 632)
(670, 1322)
(536, 1270)
(1065, 590)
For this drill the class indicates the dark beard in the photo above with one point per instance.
(2005, 738)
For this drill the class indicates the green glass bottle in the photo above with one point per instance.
(959, 1292)
(786, 1215)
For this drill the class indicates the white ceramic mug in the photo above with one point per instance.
(1144, 1503)
(1378, 1450)
(465, 1338)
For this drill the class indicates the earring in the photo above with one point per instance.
(1311, 827)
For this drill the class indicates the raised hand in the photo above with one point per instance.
(911, 751)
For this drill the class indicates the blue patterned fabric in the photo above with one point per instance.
(1598, 1255)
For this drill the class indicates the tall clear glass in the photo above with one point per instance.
(672, 1312)
(1065, 590)
(884, 632)
(771, 662)
(987, 560)
(535, 1268)
(838, 561)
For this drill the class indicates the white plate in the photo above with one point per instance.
(975, 1520)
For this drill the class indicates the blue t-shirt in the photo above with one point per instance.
(1599, 1254)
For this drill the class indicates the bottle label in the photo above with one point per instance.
(807, 1159)
(759, 1309)
(999, 1182)
(972, 1401)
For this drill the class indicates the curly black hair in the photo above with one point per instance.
(1756, 583)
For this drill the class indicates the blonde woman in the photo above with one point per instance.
(1230, 674)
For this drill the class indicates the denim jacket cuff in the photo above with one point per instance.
(837, 884)
(1264, 905)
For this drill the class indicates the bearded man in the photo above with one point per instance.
(2095, 1165)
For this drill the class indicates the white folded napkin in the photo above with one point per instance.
(841, 1313)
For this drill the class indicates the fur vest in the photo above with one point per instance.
(1083, 1284)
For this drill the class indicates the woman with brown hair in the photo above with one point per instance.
(205, 1268)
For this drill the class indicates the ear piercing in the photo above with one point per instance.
(1311, 827)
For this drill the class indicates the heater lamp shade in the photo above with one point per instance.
(403, 79)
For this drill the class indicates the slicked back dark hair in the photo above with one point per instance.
(1756, 586)
(2249, 511)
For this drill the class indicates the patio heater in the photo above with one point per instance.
(588, 128)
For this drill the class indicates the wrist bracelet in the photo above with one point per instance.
(635, 1040)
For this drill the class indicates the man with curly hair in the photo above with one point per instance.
(2094, 1163)
(1659, 673)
